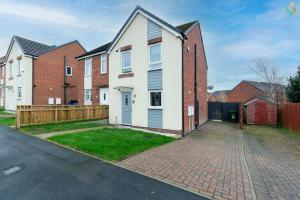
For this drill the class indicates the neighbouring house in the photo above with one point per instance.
(157, 75)
(246, 90)
(259, 110)
(2, 80)
(39, 74)
(93, 70)
(218, 96)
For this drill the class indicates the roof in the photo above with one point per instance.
(217, 93)
(186, 26)
(263, 86)
(32, 48)
(254, 99)
(156, 19)
(2, 59)
(102, 48)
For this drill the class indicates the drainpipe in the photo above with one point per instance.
(196, 109)
(65, 79)
(182, 86)
(33, 86)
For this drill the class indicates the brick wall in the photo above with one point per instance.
(98, 80)
(242, 93)
(193, 42)
(49, 74)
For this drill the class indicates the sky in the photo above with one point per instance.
(234, 31)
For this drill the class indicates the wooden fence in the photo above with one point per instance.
(45, 114)
(289, 116)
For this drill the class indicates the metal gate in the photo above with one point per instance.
(221, 111)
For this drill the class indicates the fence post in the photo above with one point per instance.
(56, 114)
(241, 116)
(88, 112)
(18, 118)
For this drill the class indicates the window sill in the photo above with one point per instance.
(149, 70)
(68, 75)
(155, 108)
(103, 73)
(126, 75)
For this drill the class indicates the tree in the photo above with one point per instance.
(268, 72)
(293, 87)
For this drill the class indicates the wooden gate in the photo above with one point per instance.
(221, 110)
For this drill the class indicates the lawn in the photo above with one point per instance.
(7, 121)
(275, 136)
(47, 128)
(2, 111)
(112, 144)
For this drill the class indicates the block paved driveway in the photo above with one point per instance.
(214, 161)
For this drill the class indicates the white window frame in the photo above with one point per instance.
(103, 70)
(161, 99)
(86, 61)
(130, 67)
(85, 95)
(19, 91)
(67, 71)
(19, 67)
(149, 56)
(10, 67)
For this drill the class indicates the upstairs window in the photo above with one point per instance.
(126, 61)
(155, 56)
(88, 67)
(19, 67)
(69, 71)
(103, 68)
(10, 69)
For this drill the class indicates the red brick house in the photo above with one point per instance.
(246, 90)
(39, 74)
(260, 111)
(93, 70)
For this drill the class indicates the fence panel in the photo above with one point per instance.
(33, 115)
(289, 115)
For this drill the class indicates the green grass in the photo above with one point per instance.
(47, 128)
(2, 111)
(7, 121)
(111, 143)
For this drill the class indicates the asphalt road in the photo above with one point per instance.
(34, 169)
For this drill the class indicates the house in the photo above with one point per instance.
(218, 96)
(2, 78)
(39, 74)
(246, 90)
(261, 111)
(93, 70)
(157, 75)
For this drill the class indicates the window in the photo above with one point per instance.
(10, 69)
(155, 56)
(19, 67)
(68, 70)
(155, 99)
(88, 95)
(126, 61)
(103, 69)
(88, 67)
(19, 93)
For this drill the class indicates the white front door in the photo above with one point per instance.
(103, 94)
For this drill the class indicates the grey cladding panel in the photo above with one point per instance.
(155, 118)
(155, 80)
(154, 30)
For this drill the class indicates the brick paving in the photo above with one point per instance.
(209, 162)
(274, 167)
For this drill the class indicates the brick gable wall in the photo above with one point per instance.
(243, 92)
(194, 41)
(49, 74)
(98, 80)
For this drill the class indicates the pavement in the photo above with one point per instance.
(31, 168)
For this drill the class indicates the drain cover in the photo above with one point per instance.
(11, 170)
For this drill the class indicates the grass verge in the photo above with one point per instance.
(8, 121)
(65, 126)
(111, 144)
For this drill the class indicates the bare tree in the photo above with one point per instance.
(268, 72)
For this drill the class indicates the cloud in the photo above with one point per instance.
(39, 13)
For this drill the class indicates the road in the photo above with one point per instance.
(31, 168)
